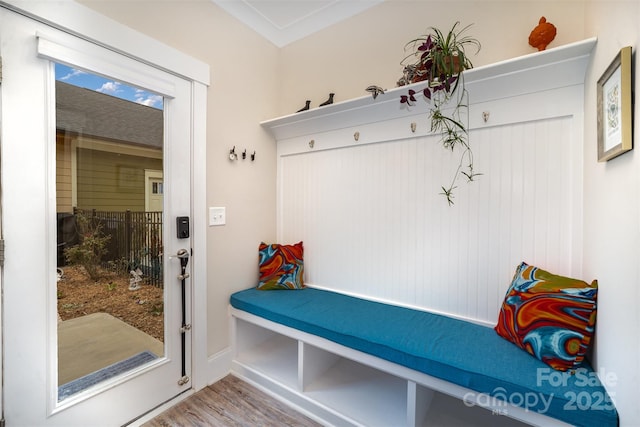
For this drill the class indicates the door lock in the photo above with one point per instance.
(182, 225)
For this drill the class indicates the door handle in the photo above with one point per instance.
(183, 256)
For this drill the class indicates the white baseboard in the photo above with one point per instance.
(219, 365)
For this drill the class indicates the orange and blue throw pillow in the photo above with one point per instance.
(552, 317)
(281, 266)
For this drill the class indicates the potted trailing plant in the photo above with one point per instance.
(440, 59)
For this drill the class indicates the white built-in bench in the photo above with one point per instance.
(351, 361)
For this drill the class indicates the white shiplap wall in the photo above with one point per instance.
(373, 221)
(374, 224)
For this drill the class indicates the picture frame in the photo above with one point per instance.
(614, 92)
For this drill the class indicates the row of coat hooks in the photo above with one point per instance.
(356, 135)
(234, 156)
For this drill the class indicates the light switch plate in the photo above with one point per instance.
(217, 216)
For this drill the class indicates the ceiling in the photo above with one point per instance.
(285, 21)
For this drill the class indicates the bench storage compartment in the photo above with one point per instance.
(351, 361)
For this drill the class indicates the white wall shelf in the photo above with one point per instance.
(536, 72)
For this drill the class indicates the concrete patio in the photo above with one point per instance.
(89, 343)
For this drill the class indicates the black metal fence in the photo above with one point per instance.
(135, 240)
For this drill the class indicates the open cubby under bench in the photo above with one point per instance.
(351, 361)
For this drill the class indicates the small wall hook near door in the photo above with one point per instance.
(485, 116)
(232, 154)
(356, 136)
(413, 127)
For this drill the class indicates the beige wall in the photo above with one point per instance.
(252, 81)
(367, 49)
(242, 93)
(612, 217)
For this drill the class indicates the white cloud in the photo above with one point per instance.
(148, 99)
(72, 74)
(109, 87)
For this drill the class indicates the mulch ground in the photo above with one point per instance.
(79, 296)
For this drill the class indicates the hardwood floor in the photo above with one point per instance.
(230, 402)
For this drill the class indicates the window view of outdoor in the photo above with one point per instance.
(109, 193)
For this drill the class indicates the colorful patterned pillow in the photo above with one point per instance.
(281, 266)
(552, 317)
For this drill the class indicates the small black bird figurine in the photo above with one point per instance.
(328, 101)
(375, 90)
(305, 108)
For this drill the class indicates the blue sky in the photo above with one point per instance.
(106, 86)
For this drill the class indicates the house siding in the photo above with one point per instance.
(64, 193)
(111, 181)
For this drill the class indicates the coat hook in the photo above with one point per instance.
(356, 136)
(312, 143)
(232, 154)
(413, 127)
(253, 156)
(485, 116)
(244, 154)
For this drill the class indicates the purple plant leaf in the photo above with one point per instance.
(408, 98)
(426, 46)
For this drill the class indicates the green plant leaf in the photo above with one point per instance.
(435, 55)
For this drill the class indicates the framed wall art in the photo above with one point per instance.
(615, 135)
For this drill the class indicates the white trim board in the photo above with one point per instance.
(537, 72)
(74, 18)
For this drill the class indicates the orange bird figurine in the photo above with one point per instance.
(542, 34)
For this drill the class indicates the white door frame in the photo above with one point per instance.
(85, 23)
(1, 274)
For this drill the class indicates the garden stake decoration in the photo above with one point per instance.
(136, 278)
(440, 59)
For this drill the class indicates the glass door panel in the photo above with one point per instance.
(109, 208)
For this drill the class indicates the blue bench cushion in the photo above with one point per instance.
(463, 353)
